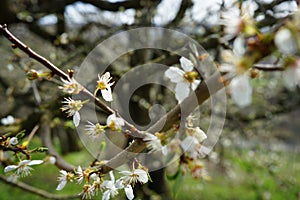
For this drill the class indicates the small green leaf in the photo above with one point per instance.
(21, 135)
(177, 184)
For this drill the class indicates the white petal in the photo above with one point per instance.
(24, 162)
(106, 195)
(106, 76)
(106, 94)
(13, 141)
(76, 119)
(241, 90)
(174, 74)
(182, 91)
(35, 162)
(120, 122)
(290, 78)
(200, 135)
(112, 177)
(129, 192)
(165, 150)
(110, 119)
(61, 185)
(195, 84)
(143, 176)
(186, 64)
(188, 144)
(10, 168)
(285, 42)
(119, 184)
(239, 46)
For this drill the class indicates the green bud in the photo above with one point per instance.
(32, 75)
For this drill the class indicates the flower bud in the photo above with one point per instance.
(32, 75)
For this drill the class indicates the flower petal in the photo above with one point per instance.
(174, 74)
(182, 91)
(186, 64)
(106, 195)
(285, 42)
(129, 192)
(143, 176)
(10, 168)
(195, 84)
(106, 94)
(35, 162)
(290, 78)
(241, 90)
(61, 185)
(189, 143)
(76, 119)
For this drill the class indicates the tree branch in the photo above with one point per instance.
(47, 142)
(37, 191)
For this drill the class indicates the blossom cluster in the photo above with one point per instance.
(188, 147)
(93, 182)
(250, 44)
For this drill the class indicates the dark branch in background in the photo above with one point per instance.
(47, 142)
(52, 6)
(37, 191)
(185, 4)
(268, 67)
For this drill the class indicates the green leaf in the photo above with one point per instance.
(21, 135)
(39, 149)
(177, 184)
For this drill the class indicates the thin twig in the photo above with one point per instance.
(268, 67)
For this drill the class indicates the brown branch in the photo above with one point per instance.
(37, 191)
(268, 67)
(47, 142)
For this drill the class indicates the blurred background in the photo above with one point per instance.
(258, 153)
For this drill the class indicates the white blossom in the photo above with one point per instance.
(94, 130)
(241, 90)
(114, 122)
(233, 23)
(153, 142)
(62, 179)
(285, 41)
(72, 107)
(70, 86)
(134, 176)
(23, 169)
(240, 87)
(13, 141)
(111, 189)
(8, 120)
(88, 191)
(291, 75)
(104, 85)
(185, 79)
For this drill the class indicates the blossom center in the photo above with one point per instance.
(190, 76)
(101, 85)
